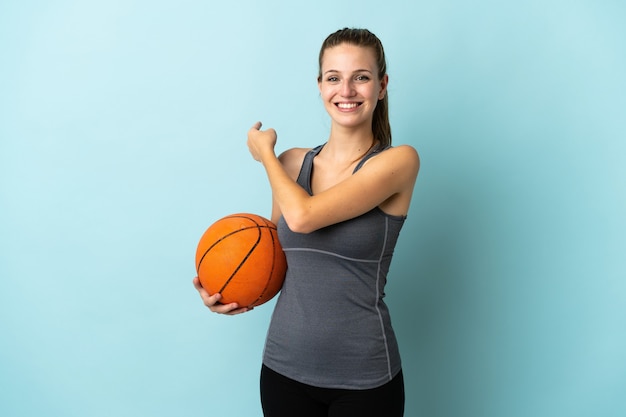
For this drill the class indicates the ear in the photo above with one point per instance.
(383, 87)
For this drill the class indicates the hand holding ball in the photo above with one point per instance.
(240, 257)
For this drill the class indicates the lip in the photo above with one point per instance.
(348, 106)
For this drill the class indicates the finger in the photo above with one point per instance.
(197, 284)
(257, 125)
(230, 309)
(208, 299)
(239, 311)
(212, 300)
(234, 312)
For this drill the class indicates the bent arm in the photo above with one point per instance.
(391, 174)
(291, 160)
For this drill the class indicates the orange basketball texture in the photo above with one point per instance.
(240, 257)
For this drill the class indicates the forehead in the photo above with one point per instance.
(348, 57)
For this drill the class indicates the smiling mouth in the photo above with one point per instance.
(347, 106)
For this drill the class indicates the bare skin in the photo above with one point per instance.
(213, 302)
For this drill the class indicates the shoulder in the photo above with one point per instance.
(405, 151)
(292, 159)
(404, 157)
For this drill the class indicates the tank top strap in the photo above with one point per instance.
(377, 149)
(304, 177)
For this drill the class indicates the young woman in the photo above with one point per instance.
(339, 208)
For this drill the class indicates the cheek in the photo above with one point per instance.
(371, 93)
(326, 94)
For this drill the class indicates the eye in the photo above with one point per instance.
(362, 78)
(332, 79)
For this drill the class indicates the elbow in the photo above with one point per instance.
(302, 229)
(299, 223)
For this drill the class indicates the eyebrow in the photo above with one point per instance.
(354, 72)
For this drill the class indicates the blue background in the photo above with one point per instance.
(122, 137)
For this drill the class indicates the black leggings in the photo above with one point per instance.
(284, 397)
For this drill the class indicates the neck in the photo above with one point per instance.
(349, 144)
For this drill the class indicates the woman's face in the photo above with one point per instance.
(349, 84)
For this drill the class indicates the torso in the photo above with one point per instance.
(330, 318)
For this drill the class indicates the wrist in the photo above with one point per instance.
(267, 156)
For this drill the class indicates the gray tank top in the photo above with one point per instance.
(330, 327)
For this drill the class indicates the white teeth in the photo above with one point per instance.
(347, 105)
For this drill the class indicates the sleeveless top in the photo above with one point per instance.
(330, 327)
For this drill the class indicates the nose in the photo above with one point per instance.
(347, 88)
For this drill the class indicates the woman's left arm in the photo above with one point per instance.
(391, 174)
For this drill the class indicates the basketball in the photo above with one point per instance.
(240, 257)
